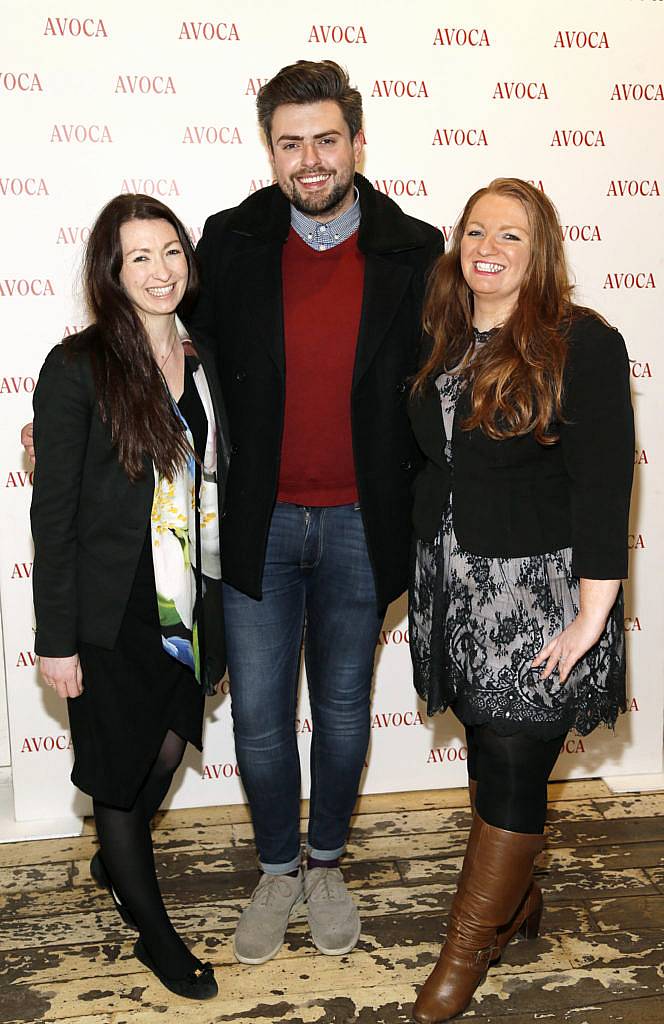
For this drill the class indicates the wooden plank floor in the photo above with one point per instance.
(65, 955)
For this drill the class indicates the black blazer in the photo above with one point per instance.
(516, 497)
(88, 519)
(241, 308)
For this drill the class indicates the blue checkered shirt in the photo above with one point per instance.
(326, 236)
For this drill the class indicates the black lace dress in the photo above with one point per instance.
(476, 623)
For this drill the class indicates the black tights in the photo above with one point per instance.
(511, 774)
(126, 849)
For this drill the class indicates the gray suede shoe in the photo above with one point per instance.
(260, 931)
(333, 917)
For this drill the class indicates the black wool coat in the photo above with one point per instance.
(516, 497)
(241, 309)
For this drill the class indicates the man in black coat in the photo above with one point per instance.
(312, 292)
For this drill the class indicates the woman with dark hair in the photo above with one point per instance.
(522, 410)
(131, 459)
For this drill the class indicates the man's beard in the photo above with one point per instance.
(314, 205)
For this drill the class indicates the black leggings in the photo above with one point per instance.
(511, 774)
(126, 849)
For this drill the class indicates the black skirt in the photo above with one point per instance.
(133, 694)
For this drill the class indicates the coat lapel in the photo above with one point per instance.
(385, 284)
(263, 220)
(262, 317)
(223, 443)
(427, 417)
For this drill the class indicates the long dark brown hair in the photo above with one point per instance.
(516, 381)
(132, 395)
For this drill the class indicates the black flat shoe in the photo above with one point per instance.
(198, 984)
(100, 876)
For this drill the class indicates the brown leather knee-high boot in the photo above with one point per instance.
(496, 874)
(527, 919)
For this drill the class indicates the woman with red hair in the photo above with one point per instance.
(522, 410)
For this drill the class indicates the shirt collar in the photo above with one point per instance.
(326, 236)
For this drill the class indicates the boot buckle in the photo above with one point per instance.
(487, 954)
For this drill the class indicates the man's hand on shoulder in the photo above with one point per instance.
(27, 442)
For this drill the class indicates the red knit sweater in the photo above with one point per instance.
(322, 305)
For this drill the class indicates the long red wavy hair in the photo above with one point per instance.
(516, 381)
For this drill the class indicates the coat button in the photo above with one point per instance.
(241, 376)
(401, 387)
(234, 449)
(406, 464)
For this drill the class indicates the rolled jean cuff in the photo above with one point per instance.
(280, 869)
(325, 854)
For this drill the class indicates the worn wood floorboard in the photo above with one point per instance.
(66, 958)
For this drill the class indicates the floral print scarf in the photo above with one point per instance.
(180, 538)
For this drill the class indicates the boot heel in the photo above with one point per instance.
(531, 926)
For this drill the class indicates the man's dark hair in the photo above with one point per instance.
(309, 81)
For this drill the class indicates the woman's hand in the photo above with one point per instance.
(565, 649)
(63, 675)
(596, 600)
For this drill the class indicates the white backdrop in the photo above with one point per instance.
(5, 756)
(109, 97)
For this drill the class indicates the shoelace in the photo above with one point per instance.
(266, 891)
(324, 889)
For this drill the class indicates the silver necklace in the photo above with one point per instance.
(170, 352)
